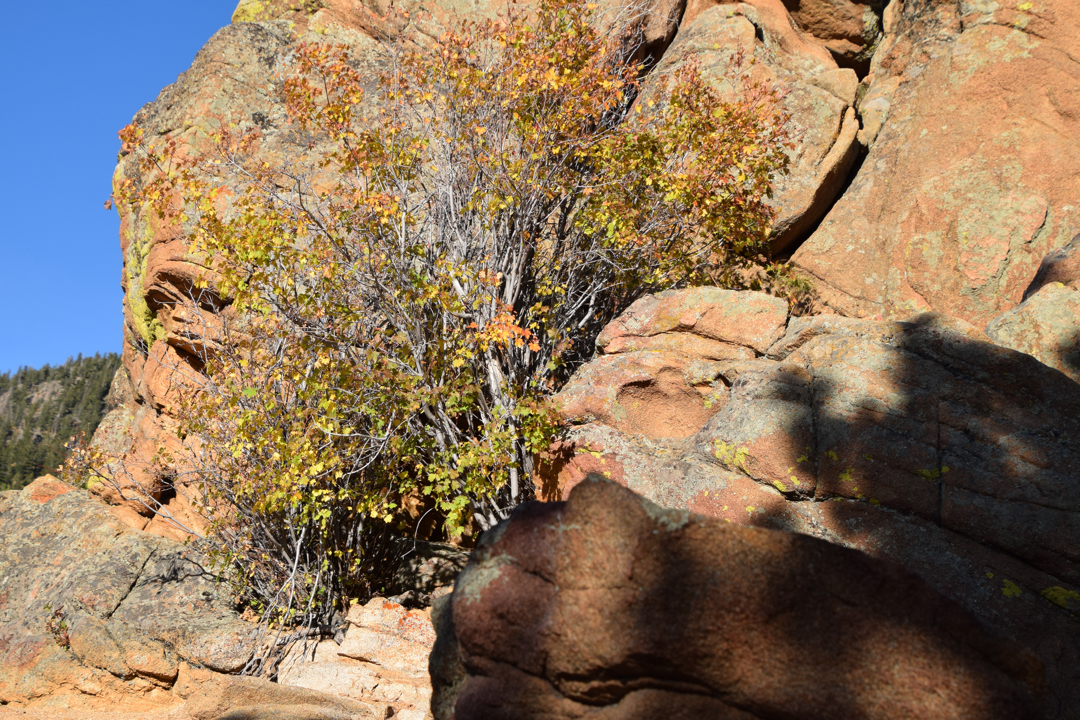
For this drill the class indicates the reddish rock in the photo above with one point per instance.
(607, 606)
(94, 646)
(1061, 266)
(211, 696)
(96, 617)
(1046, 326)
(752, 320)
(848, 29)
(659, 395)
(94, 614)
(971, 177)
(664, 357)
(919, 442)
(167, 378)
(818, 95)
(46, 488)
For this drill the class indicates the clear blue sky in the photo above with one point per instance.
(71, 75)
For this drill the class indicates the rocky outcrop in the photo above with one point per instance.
(971, 114)
(1045, 326)
(97, 617)
(381, 659)
(918, 442)
(607, 606)
(171, 324)
(92, 609)
(659, 372)
(819, 95)
(850, 29)
(1060, 266)
(961, 195)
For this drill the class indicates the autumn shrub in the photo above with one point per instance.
(421, 280)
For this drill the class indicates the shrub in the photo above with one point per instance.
(416, 292)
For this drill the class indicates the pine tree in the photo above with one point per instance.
(41, 409)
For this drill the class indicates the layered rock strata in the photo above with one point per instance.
(382, 658)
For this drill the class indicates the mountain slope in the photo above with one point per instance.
(41, 409)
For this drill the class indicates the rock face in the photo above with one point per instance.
(135, 605)
(607, 606)
(916, 442)
(170, 324)
(971, 113)
(659, 375)
(850, 30)
(1045, 326)
(97, 616)
(947, 443)
(1061, 266)
(819, 95)
(382, 659)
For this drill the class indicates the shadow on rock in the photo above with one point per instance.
(918, 442)
(607, 606)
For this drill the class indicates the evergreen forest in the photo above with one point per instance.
(42, 409)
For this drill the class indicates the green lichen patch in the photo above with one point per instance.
(730, 455)
(146, 321)
(1067, 599)
(475, 579)
(932, 474)
(248, 11)
(263, 10)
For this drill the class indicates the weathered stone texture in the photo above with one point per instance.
(971, 113)
(607, 606)
(147, 630)
(919, 442)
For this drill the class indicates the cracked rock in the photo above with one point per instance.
(607, 606)
(919, 442)
(92, 608)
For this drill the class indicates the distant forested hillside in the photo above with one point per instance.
(41, 409)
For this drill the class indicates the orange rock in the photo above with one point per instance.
(658, 395)
(748, 319)
(848, 29)
(666, 357)
(45, 488)
(817, 93)
(916, 441)
(1046, 326)
(1062, 266)
(964, 190)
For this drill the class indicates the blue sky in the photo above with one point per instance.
(71, 75)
